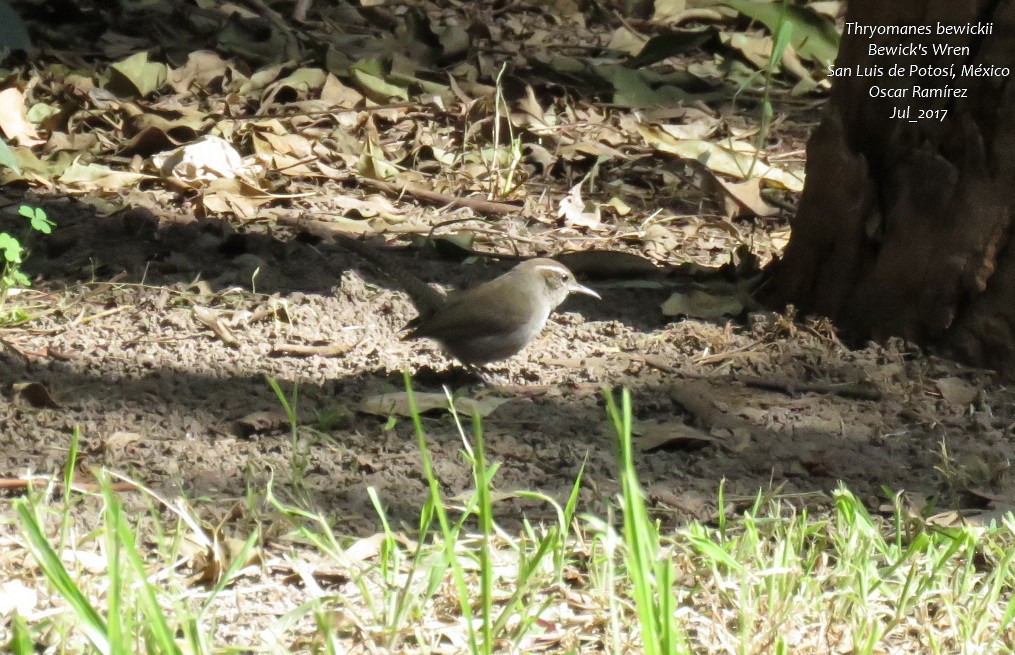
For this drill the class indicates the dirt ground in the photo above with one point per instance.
(158, 395)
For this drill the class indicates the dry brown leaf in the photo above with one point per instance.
(295, 145)
(735, 158)
(209, 158)
(755, 49)
(696, 124)
(16, 596)
(780, 237)
(339, 95)
(627, 40)
(576, 213)
(201, 69)
(236, 196)
(34, 394)
(397, 404)
(263, 421)
(747, 195)
(12, 118)
(956, 391)
(702, 304)
(214, 320)
(96, 177)
(363, 549)
(651, 435)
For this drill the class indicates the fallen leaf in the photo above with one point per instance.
(397, 404)
(214, 320)
(653, 435)
(262, 421)
(208, 158)
(576, 213)
(135, 75)
(202, 67)
(747, 195)
(16, 596)
(734, 158)
(15, 126)
(956, 391)
(780, 237)
(35, 394)
(89, 177)
(702, 304)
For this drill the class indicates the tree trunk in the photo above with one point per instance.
(904, 227)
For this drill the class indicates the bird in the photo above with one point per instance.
(497, 319)
(486, 323)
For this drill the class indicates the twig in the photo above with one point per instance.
(38, 483)
(856, 390)
(292, 44)
(429, 195)
(306, 350)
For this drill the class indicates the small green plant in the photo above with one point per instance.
(12, 252)
(651, 572)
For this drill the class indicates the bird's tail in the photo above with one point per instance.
(424, 297)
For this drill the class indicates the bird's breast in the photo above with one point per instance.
(492, 348)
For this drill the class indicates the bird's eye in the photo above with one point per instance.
(564, 277)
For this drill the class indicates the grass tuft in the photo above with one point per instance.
(780, 577)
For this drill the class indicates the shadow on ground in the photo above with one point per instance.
(158, 395)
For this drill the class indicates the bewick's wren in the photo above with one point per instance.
(488, 322)
(497, 319)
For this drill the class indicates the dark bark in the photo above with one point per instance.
(905, 228)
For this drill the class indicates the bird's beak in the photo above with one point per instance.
(578, 288)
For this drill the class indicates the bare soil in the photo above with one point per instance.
(117, 344)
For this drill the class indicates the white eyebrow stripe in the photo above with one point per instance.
(556, 268)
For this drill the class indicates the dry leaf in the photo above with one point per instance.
(576, 213)
(202, 67)
(12, 119)
(16, 596)
(89, 177)
(397, 404)
(35, 394)
(652, 435)
(212, 319)
(735, 158)
(747, 195)
(263, 421)
(116, 442)
(208, 158)
(701, 304)
(956, 391)
(780, 237)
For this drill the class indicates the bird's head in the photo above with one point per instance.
(553, 279)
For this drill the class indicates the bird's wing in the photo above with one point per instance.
(503, 316)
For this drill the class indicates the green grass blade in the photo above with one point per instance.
(92, 625)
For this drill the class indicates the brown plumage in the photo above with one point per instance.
(495, 320)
